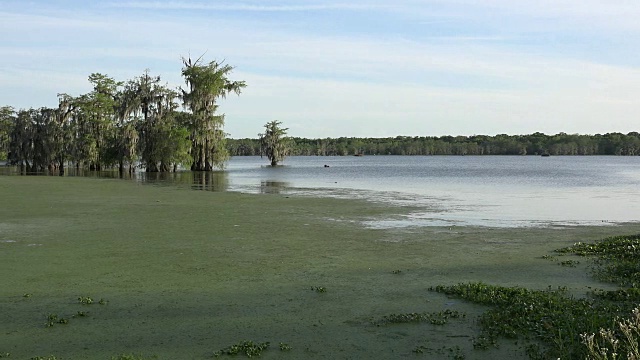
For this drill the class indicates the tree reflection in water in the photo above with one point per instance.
(273, 187)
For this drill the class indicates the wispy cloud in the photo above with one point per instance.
(234, 6)
(418, 67)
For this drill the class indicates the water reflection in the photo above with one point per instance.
(208, 181)
(273, 187)
(496, 191)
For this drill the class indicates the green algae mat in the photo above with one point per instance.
(97, 268)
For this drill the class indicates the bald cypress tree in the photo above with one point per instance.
(206, 84)
(273, 142)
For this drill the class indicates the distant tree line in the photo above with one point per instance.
(125, 124)
(533, 144)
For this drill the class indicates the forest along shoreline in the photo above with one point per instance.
(502, 144)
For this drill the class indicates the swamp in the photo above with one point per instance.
(105, 268)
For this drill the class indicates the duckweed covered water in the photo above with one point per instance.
(184, 274)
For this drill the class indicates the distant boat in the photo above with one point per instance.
(358, 154)
(545, 155)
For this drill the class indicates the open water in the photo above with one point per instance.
(492, 191)
(495, 191)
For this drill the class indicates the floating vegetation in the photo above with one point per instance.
(284, 347)
(5, 355)
(550, 317)
(616, 259)
(319, 289)
(622, 295)
(456, 353)
(88, 300)
(27, 295)
(248, 348)
(52, 319)
(131, 357)
(397, 272)
(434, 318)
(569, 263)
(483, 342)
(551, 321)
(453, 352)
(81, 314)
(420, 349)
(50, 357)
(85, 300)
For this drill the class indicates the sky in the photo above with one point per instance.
(359, 68)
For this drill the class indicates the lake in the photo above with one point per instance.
(492, 191)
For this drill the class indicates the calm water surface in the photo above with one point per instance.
(495, 191)
(464, 190)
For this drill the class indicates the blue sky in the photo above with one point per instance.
(331, 68)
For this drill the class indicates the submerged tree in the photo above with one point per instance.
(273, 143)
(119, 124)
(21, 140)
(7, 120)
(206, 84)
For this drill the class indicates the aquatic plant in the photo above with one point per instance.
(456, 353)
(85, 300)
(50, 357)
(397, 272)
(27, 295)
(616, 258)
(51, 320)
(434, 318)
(5, 354)
(629, 295)
(420, 349)
(550, 317)
(81, 314)
(284, 347)
(319, 289)
(88, 300)
(483, 342)
(569, 263)
(131, 357)
(246, 347)
(452, 352)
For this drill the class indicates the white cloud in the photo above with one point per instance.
(234, 6)
(343, 108)
(338, 84)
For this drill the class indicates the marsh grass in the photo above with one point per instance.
(188, 272)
